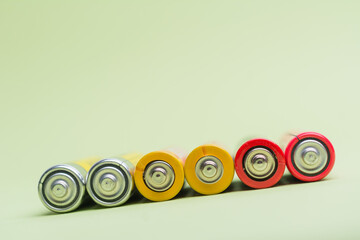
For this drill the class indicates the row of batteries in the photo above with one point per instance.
(160, 175)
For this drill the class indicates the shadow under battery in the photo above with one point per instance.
(289, 179)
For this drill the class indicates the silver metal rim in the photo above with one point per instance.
(159, 176)
(259, 163)
(209, 169)
(109, 182)
(61, 188)
(310, 156)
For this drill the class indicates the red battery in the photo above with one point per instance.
(260, 163)
(309, 156)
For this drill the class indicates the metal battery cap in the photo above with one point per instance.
(109, 182)
(61, 188)
(209, 169)
(310, 156)
(159, 176)
(259, 163)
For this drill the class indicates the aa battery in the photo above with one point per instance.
(62, 187)
(309, 156)
(259, 163)
(209, 169)
(159, 175)
(110, 181)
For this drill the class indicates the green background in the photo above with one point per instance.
(85, 78)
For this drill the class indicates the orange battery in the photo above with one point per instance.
(209, 169)
(159, 175)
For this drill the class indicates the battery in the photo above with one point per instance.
(110, 181)
(159, 175)
(260, 163)
(309, 156)
(209, 169)
(61, 188)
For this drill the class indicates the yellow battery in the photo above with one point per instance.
(62, 187)
(159, 175)
(87, 163)
(209, 169)
(110, 182)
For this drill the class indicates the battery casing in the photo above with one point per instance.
(209, 187)
(118, 171)
(260, 143)
(289, 156)
(171, 158)
(67, 180)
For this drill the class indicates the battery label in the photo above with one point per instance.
(87, 163)
(132, 157)
(179, 153)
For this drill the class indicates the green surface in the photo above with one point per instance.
(85, 78)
